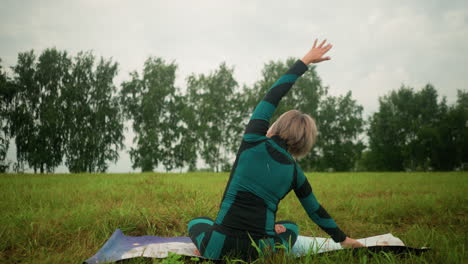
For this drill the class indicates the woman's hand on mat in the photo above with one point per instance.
(351, 243)
(280, 229)
(315, 55)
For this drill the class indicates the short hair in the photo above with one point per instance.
(298, 130)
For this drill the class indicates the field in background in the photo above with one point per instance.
(67, 218)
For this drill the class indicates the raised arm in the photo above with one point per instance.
(260, 120)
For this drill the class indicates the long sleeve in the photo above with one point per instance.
(260, 120)
(315, 211)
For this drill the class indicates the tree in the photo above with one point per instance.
(217, 122)
(177, 139)
(451, 144)
(460, 117)
(37, 120)
(404, 132)
(6, 97)
(425, 121)
(158, 115)
(340, 125)
(94, 122)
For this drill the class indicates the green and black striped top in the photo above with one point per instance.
(264, 172)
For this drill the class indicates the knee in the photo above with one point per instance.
(199, 221)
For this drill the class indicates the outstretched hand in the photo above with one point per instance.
(315, 55)
(351, 243)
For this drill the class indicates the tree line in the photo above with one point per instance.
(63, 109)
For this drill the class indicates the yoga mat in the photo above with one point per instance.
(120, 246)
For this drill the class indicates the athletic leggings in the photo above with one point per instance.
(214, 241)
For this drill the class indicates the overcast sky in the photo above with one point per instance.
(378, 45)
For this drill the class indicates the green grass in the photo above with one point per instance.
(67, 218)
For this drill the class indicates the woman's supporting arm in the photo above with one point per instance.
(316, 212)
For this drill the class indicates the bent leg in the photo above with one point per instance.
(289, 237)
(198, 228)
(209, 242)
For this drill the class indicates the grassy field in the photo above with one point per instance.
(67, 218)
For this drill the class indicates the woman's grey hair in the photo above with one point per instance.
(298, 130)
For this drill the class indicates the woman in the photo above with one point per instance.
(265, 171)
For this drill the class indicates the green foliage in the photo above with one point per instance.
(451, 136)
(340, 125)
(158, 116)
(413, 131)
(37, 118)
(6, 97)
(217, 122)
(94, 122)
(65, 107)
(55, 106)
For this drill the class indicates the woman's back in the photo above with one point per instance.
(262, 175)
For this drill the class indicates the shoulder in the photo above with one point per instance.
(278, 154)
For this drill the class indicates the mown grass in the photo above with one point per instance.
(67, 218)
